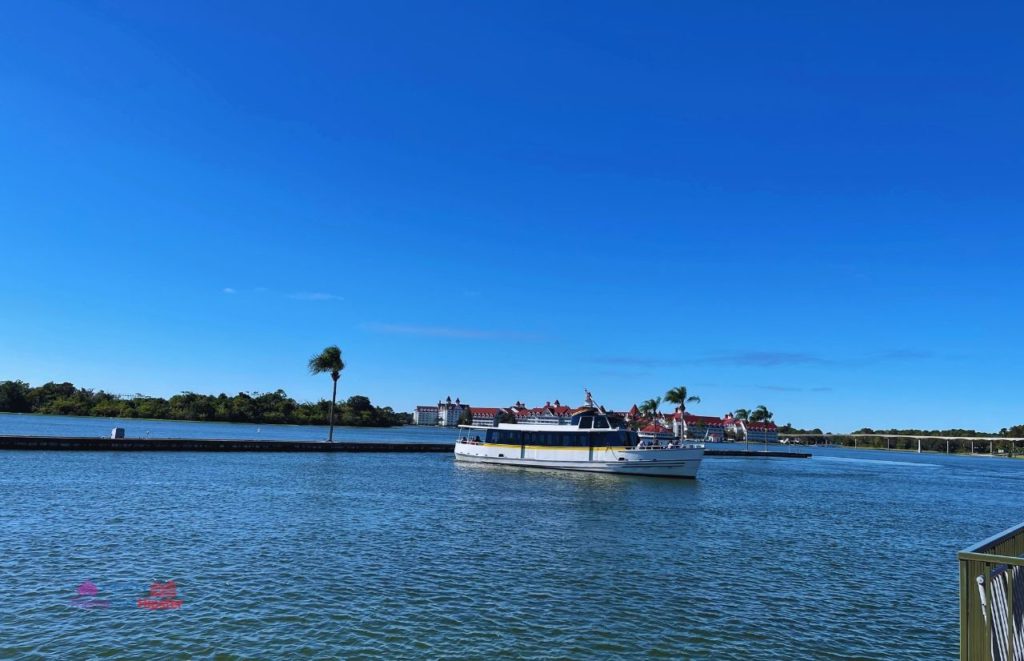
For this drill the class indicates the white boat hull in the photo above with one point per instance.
(670, 462)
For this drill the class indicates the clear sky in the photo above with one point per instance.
(814, 206)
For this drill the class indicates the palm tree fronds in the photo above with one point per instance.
(328, 360)
(680, 397)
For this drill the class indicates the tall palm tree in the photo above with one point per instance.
(761, 414)
(329, 360)
(650, 407)
(681, 398)
(742, 414)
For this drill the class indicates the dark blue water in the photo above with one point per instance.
(848, 554)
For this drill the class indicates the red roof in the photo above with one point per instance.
(486, 411)
(656, 429)
(542, 410)
(702, 419)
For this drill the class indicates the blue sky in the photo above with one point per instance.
(814, 206)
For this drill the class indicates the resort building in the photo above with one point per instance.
(688, 425)
(549, 414)
(732, 427)
(745, 430)
(425, 415)
(762, 432)
(448, 413)
(487, 417)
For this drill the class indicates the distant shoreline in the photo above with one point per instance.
(260, 408)
(201, 422)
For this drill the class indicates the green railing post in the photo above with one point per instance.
(964, 637)
(978, 561)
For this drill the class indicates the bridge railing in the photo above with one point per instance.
(991, 589)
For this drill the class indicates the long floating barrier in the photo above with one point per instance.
(209, 445)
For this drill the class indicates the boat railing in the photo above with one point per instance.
(642, 445)
(674, 445)
(992, 588)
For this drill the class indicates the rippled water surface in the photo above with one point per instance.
(848, 554)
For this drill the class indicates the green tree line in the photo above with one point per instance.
(270, 407)
(883, 439)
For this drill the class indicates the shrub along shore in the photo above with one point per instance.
(265, 408)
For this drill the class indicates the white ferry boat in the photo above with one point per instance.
(592, 442)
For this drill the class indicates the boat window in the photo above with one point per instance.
(491, 433)
(600, 422)
(586, 422)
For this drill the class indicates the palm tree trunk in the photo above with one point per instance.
(334, 395)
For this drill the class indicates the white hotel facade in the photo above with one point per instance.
(445, 414)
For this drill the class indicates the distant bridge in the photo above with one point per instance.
(921, 437)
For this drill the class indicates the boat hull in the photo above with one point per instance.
(679, 463)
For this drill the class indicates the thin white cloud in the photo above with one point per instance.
(446, 331)
(314, 296)
(229, 290)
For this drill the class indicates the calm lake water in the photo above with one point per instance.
(850, 554)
